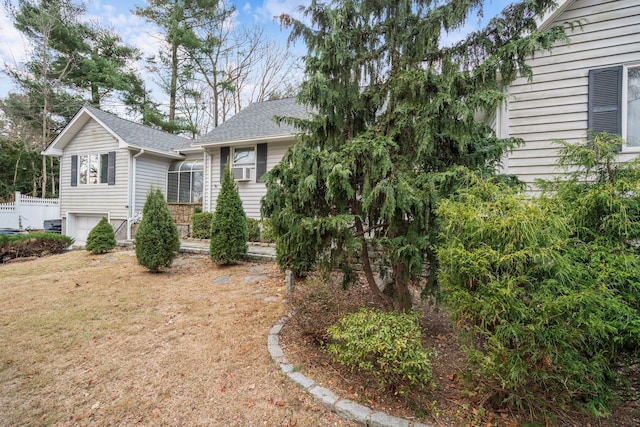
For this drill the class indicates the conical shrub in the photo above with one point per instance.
(101, 238)
(229, 224)
(157, 239)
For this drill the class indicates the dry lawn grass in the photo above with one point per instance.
(97, 340)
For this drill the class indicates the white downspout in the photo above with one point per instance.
(206, 183)
(132, 205)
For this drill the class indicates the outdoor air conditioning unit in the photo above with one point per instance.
(242, 173)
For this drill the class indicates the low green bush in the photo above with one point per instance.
(33, 244)
(253, 230)
(266, 231)
(387, 345)
(548, 287)
(201, 225)
(101, 238)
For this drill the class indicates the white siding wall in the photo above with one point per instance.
(554, 105)
(98, 198)
(251, 193)
(151, 171)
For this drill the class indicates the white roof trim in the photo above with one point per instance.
(275, 138)
(552, 15)
(70, 131)
(156, 152)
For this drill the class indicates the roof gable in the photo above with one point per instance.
(256, 122)
(552, 15)
(127, 133)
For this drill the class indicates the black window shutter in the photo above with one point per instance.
(261, 164)
(224, 158)
(111, 169)
(74, 171)
(605, 100)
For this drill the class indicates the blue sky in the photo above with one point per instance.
(137, 32)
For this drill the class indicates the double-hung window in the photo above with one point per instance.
(89, 169)
(247, 163)
(244, 157)
(632, 102)
(614, 102)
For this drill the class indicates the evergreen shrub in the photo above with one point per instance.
(32, 244)
(101, 238)
(253, 230)
(548, 286)
(266, 231)
(387, 345)
(229, 224)
(157, 239)
(201, 225)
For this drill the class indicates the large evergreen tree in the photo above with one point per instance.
(394, 113)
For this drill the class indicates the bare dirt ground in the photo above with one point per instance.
(454, 401)
(97, 340)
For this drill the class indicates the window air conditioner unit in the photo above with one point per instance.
(242, 173)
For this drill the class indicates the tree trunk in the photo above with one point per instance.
(15, 170)
(403, 295)
(368, 271)
(173, 87)
(95, 95)
(53, 179)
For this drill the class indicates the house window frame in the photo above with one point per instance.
(102, 173)
(186, 167)
(624, 108)
(244, 165)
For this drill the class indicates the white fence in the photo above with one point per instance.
(28, 212)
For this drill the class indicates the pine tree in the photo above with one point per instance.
(157, 239)
(101, 238)
(394, 115)
(229, 224)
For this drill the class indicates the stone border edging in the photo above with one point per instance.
(345, 408)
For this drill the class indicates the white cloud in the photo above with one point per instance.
(14, 50)
(271, 9)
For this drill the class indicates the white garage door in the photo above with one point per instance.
(82, 225)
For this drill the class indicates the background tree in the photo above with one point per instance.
(51, 27)
(157, 239)
(180, 21)
(213, 62)
(394, 113)
(229, 225)
(103, 66)
(20, 159)
(72, 61)
(101, 238)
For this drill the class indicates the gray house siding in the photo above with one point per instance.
(151, 172)
(251, 192)
(555, 104)
(99, 199)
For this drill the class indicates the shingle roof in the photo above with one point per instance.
(256, 121)
(138, 135)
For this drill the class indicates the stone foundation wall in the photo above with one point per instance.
(181, 212)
